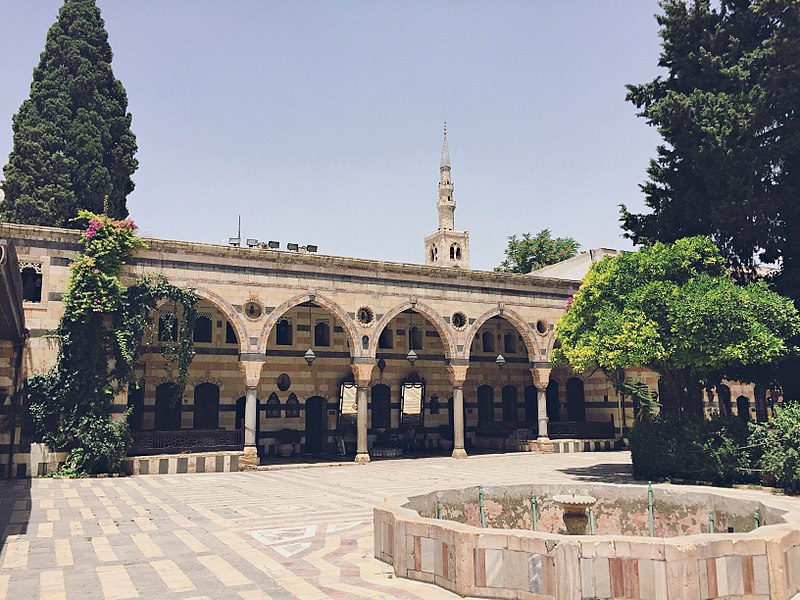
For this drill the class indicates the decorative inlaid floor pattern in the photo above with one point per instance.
(290, 534)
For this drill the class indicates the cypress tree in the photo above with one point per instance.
(73, 146)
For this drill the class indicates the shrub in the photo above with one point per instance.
(715, 449)
(780, 444)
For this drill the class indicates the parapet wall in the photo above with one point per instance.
(514, 563)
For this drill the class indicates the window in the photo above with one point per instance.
(433, 405)
(273, 406)
(415, 338)
(322, 334)
(487, 341)
(381, 407)
(283, 333)
(230, 334)
(724, 396)
(167, 328)
(455, 252)
(510, 343)
(31, 285)
(292, 407)
(202, 329)
(743, 408)
(206, 406)
(385, 341)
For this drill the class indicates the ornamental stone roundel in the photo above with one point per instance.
(459, 321)
(365, 316)
(252, 310)
(283, 382)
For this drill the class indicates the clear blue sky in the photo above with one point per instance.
(320, 122)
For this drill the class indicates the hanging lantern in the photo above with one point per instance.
(500, 361)
(411, 357)
(310, 357)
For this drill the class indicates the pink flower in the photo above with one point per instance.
(94, 226)
(569, 302)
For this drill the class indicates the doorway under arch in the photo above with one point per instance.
(168, 408)
(576, 400)
(316, 424)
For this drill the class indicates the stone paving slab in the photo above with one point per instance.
(268, 535)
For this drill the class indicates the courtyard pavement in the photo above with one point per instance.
(300, 533)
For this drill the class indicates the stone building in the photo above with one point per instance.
(347, 352)
(321, 354)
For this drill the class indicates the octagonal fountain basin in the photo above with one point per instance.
(512, 542)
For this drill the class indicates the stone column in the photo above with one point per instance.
(541, 377)
(250, 365)
(250, 416)
(458, 375)
(362, 371)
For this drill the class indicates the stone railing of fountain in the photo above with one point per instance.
(483, 544)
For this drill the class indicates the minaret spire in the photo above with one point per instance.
(445, 151)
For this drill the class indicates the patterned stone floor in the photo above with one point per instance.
(288, 534)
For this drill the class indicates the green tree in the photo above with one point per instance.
(674, 309)
(730, 163)
(73, 147)
(529, 253)
(709, 175)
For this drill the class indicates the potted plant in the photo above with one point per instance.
(285, 441)
(445, 437)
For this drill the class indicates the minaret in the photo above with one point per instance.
(447, 247)
(446, 205)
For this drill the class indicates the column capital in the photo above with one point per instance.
(251, 369)
(458, 374)
(541, 375)
(362, 371)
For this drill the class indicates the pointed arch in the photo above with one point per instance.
(532, 345)
(322, 302)
(430, 314)
(234, 318)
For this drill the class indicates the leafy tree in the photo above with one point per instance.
(709, 176)
(529, 253)
(674, 309)
(730, 163)
(73, 146)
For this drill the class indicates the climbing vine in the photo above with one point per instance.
(101, 337)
